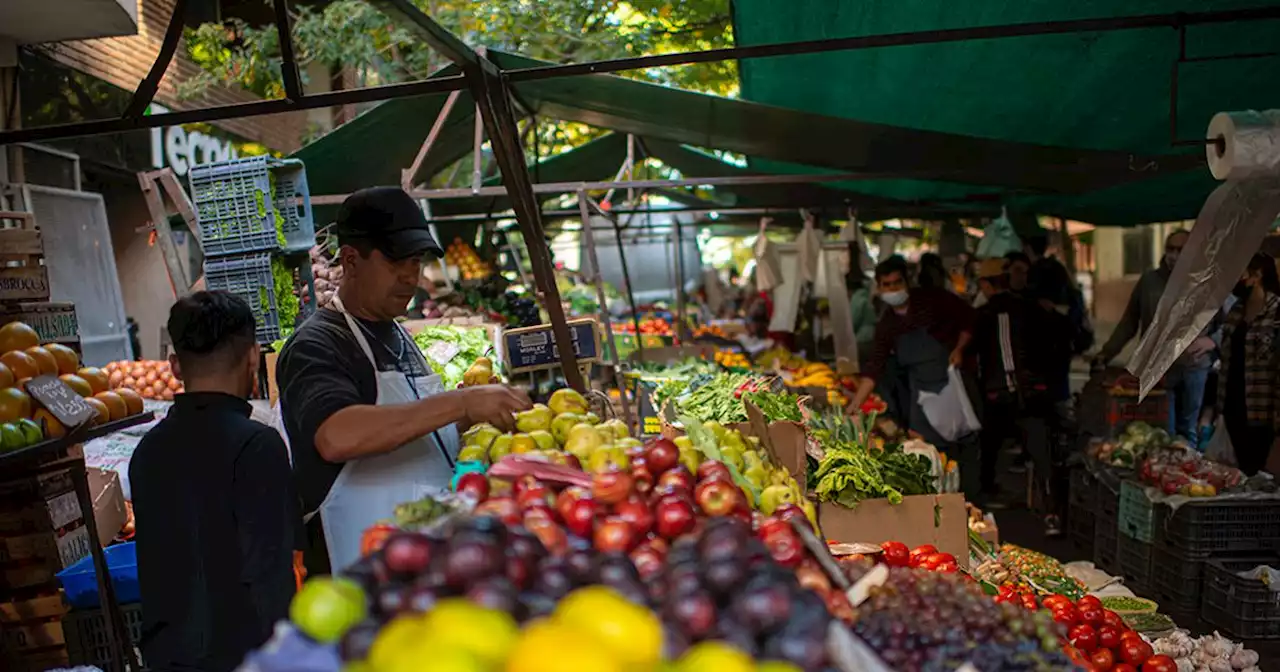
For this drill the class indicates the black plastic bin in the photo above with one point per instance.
(1221, 526)
(1243, 608)
(86, 634)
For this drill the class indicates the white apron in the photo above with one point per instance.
(367, 490)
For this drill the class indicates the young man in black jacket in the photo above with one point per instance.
(1016, 343)
(217, 520)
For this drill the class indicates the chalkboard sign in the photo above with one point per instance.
(534, 348)
(650, 420)
(61, 401)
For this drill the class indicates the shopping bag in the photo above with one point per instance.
(1219, 448)
(998, 239)
(949, 410)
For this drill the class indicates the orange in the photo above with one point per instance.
(80, 385)
(49, 424)
(132, 400)
(104, 414)
(68, 360)
(20, 363)
(17, 336)
(6, 376)
(45, 360)
(98, 380)
(115, 404)
(14, 405)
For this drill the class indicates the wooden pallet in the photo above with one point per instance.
(23, 276)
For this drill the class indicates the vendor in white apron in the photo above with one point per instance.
(369, 425)
(922, 334)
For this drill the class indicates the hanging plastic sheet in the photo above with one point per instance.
(999, 238)
(786, 296)
(852, 233)
(808, 248)
(768, 265)
(842, 336)
(1228, 231)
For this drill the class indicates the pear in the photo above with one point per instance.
(717, 429)
(774, 496)
(780, 477)
(618, 428)
(732, 440)
(591, 419)
(567, 400)
(608, 458)
(523, 443)
(810, 512)
(756, 475)
(751, 458)
(561, 425)
(500, 448)
(544, 439)
(534, 419)
(684, 443)
(733, 456)
(628, 442)
(473, 453)
(582, 441)
(690, 458)
(480, 435)
(483, 361)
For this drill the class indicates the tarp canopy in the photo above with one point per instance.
(974, 173)
(1106, 91)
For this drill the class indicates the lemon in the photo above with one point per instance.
(716, 656)
(631, 632)
(428, 654)
(395, 639)
(548, 646)
(486, 633)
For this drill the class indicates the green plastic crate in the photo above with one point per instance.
(1137, 512)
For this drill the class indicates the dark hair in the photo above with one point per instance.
(1176, 232)
(894, 264)
(1039, 243)
(931, 260)
(1014, 257)
(1264, 264)
(210, 331)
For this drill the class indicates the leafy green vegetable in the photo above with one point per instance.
(850, 473)
(472, 343)
(779, 406)
(287, 304)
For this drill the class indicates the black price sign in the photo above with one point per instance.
(61, 401)
(650, 419)
(534, 348)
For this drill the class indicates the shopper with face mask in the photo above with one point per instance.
(922, 333)
(1185, 380)
(1249, 382)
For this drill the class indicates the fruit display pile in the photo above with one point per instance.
(1133, 444)
(469, 264)
(23, 357)
(732, 359)
(148, 378)
(1184, 471)
(649, 325)
(799, 372)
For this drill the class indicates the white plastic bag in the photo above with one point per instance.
(950, 411)
(1220, 449)
(998, 239)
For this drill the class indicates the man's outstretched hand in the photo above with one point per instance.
(496, 405)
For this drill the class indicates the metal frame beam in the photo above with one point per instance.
(288, 66)
(407, 177)
(146, 91)
(457, 51)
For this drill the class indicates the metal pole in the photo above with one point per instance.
(146, 91)
(408, 176)
(288, 66)
(598, 281)
(680, 273)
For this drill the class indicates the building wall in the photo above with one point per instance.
(125, 61)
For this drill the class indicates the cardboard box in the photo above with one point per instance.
(108, 503)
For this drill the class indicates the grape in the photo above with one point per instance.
(926, 621)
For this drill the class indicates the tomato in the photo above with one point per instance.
(1124, 667)
(1028, 601)
(1160, 664)
(930, 561)
(1108, 637)
(1127, 634)
(1088, 601)
(895, 553)
(1083, 637)
(919, 553)
(1065, 616)
(1102, 660)
(1055, 601)
(1113, 619)
(1076, 656)
(1090, 615)
(1135, 651)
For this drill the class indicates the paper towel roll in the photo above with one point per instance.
(1250, 144)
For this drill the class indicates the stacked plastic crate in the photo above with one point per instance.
(256, 228)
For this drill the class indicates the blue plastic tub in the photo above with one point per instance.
(81, 583)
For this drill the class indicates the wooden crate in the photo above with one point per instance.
(54, 321)
(23, 276)
(42, 515)
(58, 549)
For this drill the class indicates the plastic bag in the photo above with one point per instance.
(768, 264)
(950, 411)
(1219, 448)
(998, 239)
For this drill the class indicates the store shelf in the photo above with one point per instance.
(53, 447)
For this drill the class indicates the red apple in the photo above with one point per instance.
(790, 511)
(502, 508)
(678, 476)
(537, 511)
(718, 498)
(581, 517)
(673, 517)
(771, 526)
(786, 550)
(474, 485)
(407, 554)
(711, 470)
(648, 561)
(550, 534)
(524, 483)
(636, 512)
(611, 487)
(567, 497)
(661, 455)
(643, 481)
(635, 453)
(536, 495)
(614, 535)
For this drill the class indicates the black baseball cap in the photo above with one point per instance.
(390, 220)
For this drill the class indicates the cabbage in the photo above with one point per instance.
(472, 342)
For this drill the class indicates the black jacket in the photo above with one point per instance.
(1017, 343)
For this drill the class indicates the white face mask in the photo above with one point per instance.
(894, 299)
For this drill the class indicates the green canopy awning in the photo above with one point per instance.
(1106, 91)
